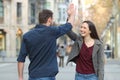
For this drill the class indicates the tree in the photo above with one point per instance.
(100, 13)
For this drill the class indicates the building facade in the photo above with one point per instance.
(13, 23)
(19, 16)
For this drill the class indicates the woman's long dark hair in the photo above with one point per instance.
(93, 30)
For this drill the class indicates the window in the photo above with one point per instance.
(32, 13)
(19, 9)
(61, 1)
(2, 39)
(62, 15)
(1, 11)
(59, 11)
(47, 5)
(19, 12)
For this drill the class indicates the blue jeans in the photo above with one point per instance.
(79, 76)
(45, 78)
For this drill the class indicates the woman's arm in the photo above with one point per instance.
(72, 35)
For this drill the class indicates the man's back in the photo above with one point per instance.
(40, 45)
(41, 48)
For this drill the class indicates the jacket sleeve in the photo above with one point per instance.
(73, 53)
(101, 63)
(23, 52)
(72, 35)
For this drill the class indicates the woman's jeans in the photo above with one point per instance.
(45, 78)
(79, 76)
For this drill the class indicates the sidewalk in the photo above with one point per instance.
(113, 61)
(112, 69)
(14, 59)
(66, 73)
(8, 60)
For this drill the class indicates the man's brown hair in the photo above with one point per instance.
(44, 15)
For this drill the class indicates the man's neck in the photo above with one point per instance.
(46, 24)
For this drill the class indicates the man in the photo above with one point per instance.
(40, 46)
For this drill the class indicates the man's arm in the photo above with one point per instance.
(20, 70)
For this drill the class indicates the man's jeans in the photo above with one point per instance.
(45, 78)
(79, 76)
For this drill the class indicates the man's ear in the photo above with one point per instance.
(49, 20)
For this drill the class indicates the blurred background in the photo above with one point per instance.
(19, 16)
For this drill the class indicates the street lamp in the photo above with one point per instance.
(111, 21)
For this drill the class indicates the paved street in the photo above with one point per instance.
(8, 70)
(112, 71)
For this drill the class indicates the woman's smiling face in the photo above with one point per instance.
(84, 30)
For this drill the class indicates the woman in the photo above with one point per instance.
(88, 53)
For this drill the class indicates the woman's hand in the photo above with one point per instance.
(71, 14)
(71, 10)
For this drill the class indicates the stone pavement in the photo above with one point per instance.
(14, 59)
(8, 60)
(112, 69)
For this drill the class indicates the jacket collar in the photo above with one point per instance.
(98, 41)
(40, 26)
(95, 48)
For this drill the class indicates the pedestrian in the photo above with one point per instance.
(108, 51)
(87, 53)
(61, 55)
(40, 46)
